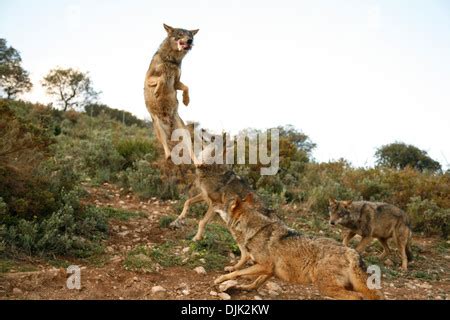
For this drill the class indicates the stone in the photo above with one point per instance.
(142, 257)
(257, 298)
(425, 286)
(213, 293)
(224, 286)
(200, 270)
(388, 263)
(159, 291)
(17, 291)
(224, 296)
(186, 292)
(272, 286)
(410, 286)
(116, 259)
(273, 293)
(186, 250)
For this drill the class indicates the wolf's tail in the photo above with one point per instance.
(358, 279)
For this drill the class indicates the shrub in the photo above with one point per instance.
(101, 159)
(318, 197)
(426, 216)
(271, 200)
(271, 184)
(146, 182)
(165, 221)
(72, 230)
(135, 149)
(3, 207)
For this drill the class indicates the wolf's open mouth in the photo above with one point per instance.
(183, 46)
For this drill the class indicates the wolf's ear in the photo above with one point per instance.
(249, 198)
(236, 205)
(194, 32)
(332, 202)
(169, 29)
(348, 203)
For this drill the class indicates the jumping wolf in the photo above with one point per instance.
(162, 82)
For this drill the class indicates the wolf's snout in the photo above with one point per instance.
(333, 223)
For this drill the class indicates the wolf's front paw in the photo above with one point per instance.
(197, 238)
(177, 224)
(186, 98)
(230, 269)
(220, 279)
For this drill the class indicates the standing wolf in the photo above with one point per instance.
(162, 82)
(374, 220)
(278, 251)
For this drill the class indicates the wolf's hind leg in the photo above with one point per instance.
(386, 250)
(162, 136)
(402, 243)
(338, 292)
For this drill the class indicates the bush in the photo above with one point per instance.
(426, 216)
(146, 182)
(135, 149)
(318, 197)
(3, 207)
(31, 180)
(101, 160)
(72, 230)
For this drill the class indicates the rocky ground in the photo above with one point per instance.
(144, 259)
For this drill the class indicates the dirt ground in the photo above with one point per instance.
(106, 277)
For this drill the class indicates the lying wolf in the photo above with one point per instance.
(277, 251)
(374, 220)
(162, 82)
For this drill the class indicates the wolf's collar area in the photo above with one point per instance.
(173, 61)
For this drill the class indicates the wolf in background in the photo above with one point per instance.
(371, 220)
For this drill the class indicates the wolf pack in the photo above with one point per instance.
(269, 248)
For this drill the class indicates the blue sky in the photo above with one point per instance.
(353, 75)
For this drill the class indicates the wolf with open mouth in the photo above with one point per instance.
(162, 82)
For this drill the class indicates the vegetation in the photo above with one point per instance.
(14, 79)
(399, 156)
(211, 252)
(71, 88)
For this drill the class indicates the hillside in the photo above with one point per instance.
(91, 190)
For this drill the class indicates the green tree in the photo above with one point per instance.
(400, 155)
(71, 88)
(13, 78)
